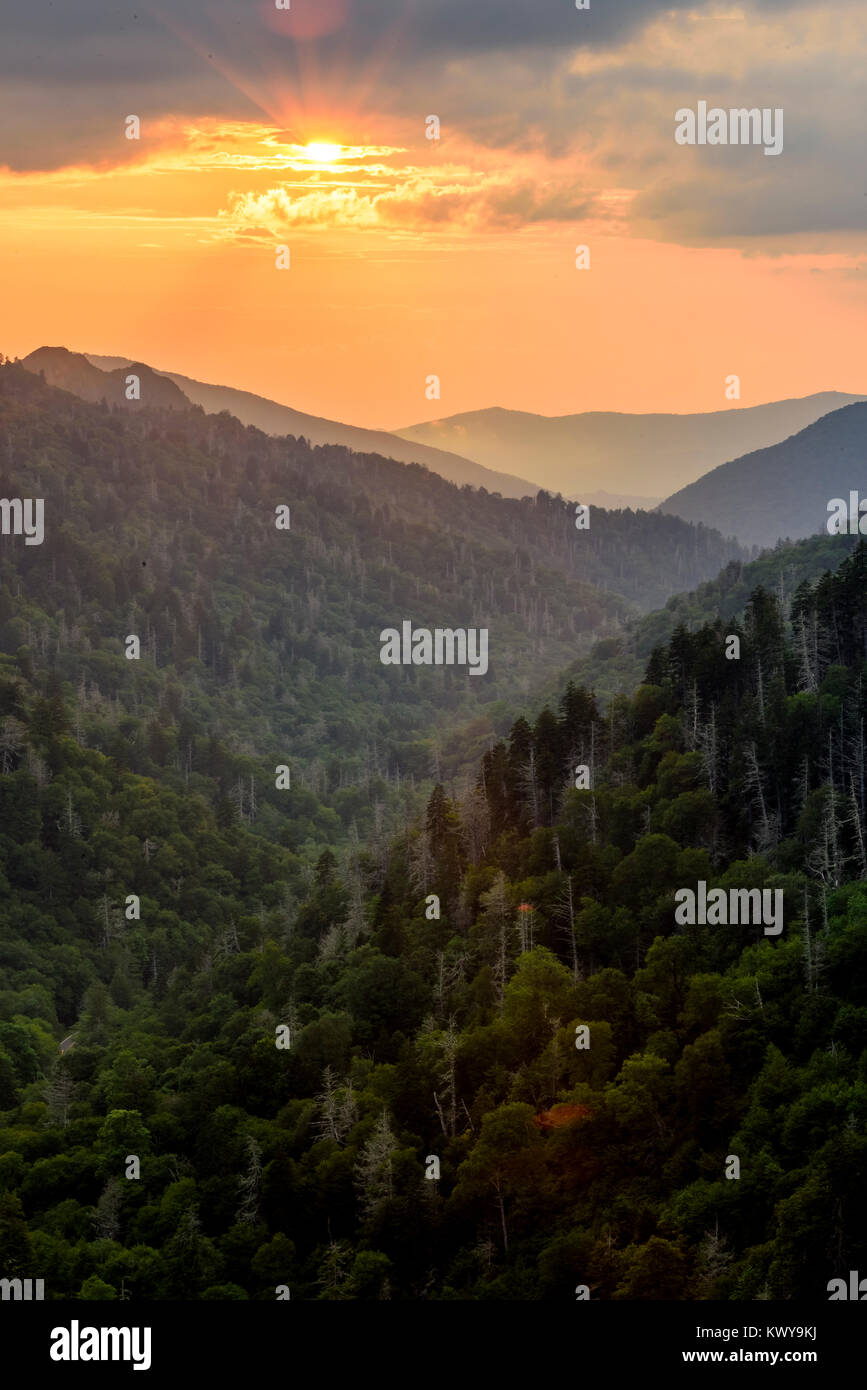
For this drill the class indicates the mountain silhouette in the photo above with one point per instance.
(782, 491)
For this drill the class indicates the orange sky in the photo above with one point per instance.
(455, 257)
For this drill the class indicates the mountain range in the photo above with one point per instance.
(605, 459)
(169, 515)
(93, 377)
(631, 454)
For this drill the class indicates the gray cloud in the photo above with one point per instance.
(497, 71)
(78, 61)
(75, 40)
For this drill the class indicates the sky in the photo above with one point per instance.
(455, 257)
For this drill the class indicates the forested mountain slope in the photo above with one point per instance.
(93, 377)
(615, 665)
(434, 991)
(782, 491)
(162, 524)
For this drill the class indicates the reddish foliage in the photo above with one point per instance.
(561, 1115)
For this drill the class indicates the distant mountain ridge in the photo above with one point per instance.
(630, 454)
(606, 459)
(72, 371)
(273, 418)
(782, 491)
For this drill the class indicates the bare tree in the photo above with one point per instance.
(814, 950)
(58, 1095)
(421, 861)
(566, 912)
(449, 973)
(530, 786)
(107, 1213)
(768, 832)
(337, 1109)
(525, 926)
(71, 821)
(449, 1044)
(335, 1263)
(713, 1261)
(823, 858)
(331, 942)
(498, 913)
(806, 649)
(690, 719)
(250, 1183)
(374, 1178)
(854, 820)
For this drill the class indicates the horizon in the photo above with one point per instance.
(423, 419)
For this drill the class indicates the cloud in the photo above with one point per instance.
(459, 199)
(576, 107)
(72, 70)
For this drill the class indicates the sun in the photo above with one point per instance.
(321, 152)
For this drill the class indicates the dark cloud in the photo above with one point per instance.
(710, 208)
(78, 62)
(48, 37)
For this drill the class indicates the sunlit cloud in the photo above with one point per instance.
(185, 147)
(458, 198)
(320, 184)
